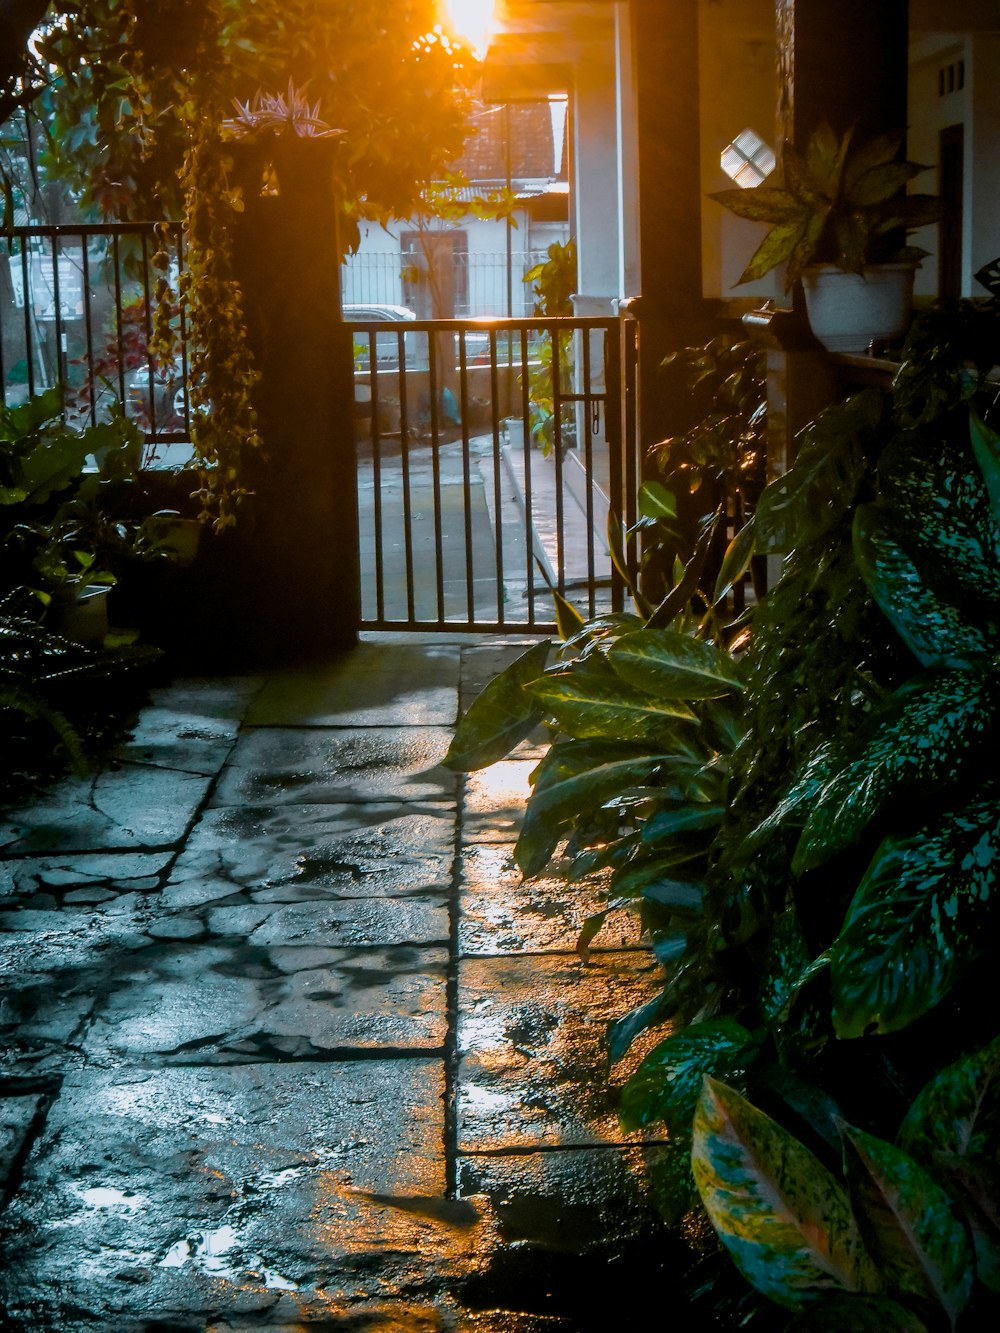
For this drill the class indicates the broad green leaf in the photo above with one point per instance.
(853, 233)
(569, 621)
(911, 211)
(986, 446)
(667, 1174)
(680, 895)
(673, 665)
(873, 152)
(915, 921)
(934, 630)
(825, 158)
(623, 1031)
(803, 252)
(950, 1112)
(779, 243)
(802, 180)
(974, 1184)
(935, 733)
(878, 184)
(668, 1082)
(692, 818)
(921, 1248)
(655, 501)
(589, 705)
(52, 465)
(502, 716)
(857, 1314)
(783, 1217)
(576, 778)
(763, 204)
(736, 561)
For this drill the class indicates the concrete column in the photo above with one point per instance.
(595, 166)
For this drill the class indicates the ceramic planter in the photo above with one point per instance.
(848, 311)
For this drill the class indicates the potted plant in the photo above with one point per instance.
(839, 223)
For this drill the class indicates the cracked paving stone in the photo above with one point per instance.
(501, 912)
(328, 766)
(17, 1117)
(235, 1003)
(105, 874)
(531, 1035)
(267, 1191)
(494, 802)
(303, 851)
(190, 725)
(124, 808)
(414, 685)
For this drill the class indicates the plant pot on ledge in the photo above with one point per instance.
(849, 311)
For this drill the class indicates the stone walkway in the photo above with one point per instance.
(289, 1044)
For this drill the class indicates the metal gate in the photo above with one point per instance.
(492, 457)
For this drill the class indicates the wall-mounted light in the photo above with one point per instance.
(747, 160)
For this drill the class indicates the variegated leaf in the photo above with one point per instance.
(921, 1248)
(935, 733)
(934, 629)
(783, 1217)
(668, 1082)
(986, 446)
(500, 717)
(915, 921)
(587, 704)
(857, 1314)
(957, 1110)
(774, 249)
(674, 666)
(764, 204)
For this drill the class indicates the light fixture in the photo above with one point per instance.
(747, 160)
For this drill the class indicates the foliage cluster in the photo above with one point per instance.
(553, 282)
(804, 813)
(842, 202)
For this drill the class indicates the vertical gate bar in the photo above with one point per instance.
(615, 376)
(588, 469)
(497, 465)
(557, 451)
(29, 351)
(529, 519)
(404, 458)
(59, 368)
(148, 322)
(116, 260)
(179, 235)
(631, 453)
(432, 379)
(88, 326)
(3, 371)
(463, 387)
(376, 479)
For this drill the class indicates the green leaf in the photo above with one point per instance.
(693, 818)
(763, 204)
(803, 252)
(575, 778)
(569, 621)
(878, 184)
(986, 446)
(874, 152)
(921, 1248)
(783, 1217)
(934, 630)
(668, 1082)
(502, 716)
(825, 157)
(623, 1031)
(673, 665)
(736, 561)
(589, 705)
(655, 501)
(857, 1314)
(934, 732)
(779, 243)
(915, 921)
(948, 1114)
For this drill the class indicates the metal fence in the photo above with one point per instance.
(472, 284)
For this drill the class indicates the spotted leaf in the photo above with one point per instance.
(589, 703)
(500, 717)
(673, 665)
(857, 1314)
(957, 1112)
(781, 1215)
(915, 921)
(668, 1082)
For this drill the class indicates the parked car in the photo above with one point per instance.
(387, 344)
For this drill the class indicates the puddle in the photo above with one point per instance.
(212, 1252)
(98, 1196)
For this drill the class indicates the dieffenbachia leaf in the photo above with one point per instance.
(920, 1247)
(576, 778)
(931, 736)
(736, 561)
(857, 1314)
(952, 1112)
(934, 629)
(915, 921)
(673, 665)
(783, 1217)
(594, 704)
(668, 1082)
(500, 717)
(986, 446)
(693, 817)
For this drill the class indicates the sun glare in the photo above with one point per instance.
(473, 21)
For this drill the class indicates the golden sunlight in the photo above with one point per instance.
(472, 20)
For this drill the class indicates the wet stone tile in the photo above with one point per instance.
(501, 912)
(297, 852)
(561, 1217)
(358, 922)
(79, 878)
(167, 738)
(285, 1191)
(494, 801)
(280, 765)
(124, 808)
(224, 1003)
(369, 686)
(18, 1115)
(531, 1040)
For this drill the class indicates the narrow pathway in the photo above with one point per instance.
(288, 1044)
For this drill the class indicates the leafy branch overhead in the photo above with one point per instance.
(841, 202)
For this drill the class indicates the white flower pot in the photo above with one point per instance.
(847, 311)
